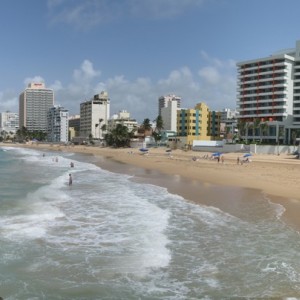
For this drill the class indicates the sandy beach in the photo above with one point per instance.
(181, 171)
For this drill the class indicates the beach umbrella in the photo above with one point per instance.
(217, 154)
(247, 154)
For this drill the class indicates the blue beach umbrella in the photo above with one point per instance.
(217, 154)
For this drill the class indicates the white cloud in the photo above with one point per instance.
(56, 86)
(161, 9)
(214, 84)
(90, 13)
(8, 101)
(86, 72)
(210, 75)
(36, 79)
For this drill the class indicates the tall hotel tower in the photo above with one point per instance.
(269, 92)
(163, 101)
(34, 104)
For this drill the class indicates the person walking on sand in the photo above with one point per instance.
(222, 159)
(70, 179)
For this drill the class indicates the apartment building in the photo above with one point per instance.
(123, 118)
(168, 114)
(193, 123)
(9, 122)
(268, 95)
(74, 126)
(34, 103)
(58, 124)
(93, 115)
(214, 124)
(164, 101)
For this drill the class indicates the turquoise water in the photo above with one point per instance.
(109, 237)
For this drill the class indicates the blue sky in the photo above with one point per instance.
(138, 50)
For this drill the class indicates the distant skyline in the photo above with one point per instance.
(138, 50)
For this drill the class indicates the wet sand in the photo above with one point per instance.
(202, 180)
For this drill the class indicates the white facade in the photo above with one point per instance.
(265, 88)
(9, 122)
(34, 104)
(228, 114)
(269, 91)
(93, 115)
(164, 101)
(122, 118)
(169, 116)
(58, 125)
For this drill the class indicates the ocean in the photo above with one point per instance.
(108, 236)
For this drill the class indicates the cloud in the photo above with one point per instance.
(9, 101)
(210, 75)
(214, 84)
(36, 79)
(87, 14)
(86, 72)
(161, 9)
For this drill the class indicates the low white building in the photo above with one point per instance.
(123, 117)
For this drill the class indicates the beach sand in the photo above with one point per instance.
(178, 171)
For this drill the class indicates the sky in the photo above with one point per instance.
(138, 50)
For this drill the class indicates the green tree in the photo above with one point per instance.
(119, 136)
(256, 127)
(146, 124)
(241, 126)
(159, 124)
(264, 127)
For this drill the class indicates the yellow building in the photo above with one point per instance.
(198, 124)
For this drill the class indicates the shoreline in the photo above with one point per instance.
(271, 175)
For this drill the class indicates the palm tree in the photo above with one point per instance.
(100, 121)
(146, 124)
(256, 125)
(103, 128)
(159, 124)
(263, 130)
(241, 126)
(248, 126)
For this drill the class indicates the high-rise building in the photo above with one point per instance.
(163, 101)
(34, 104)
(269, 94)
(9, 122)
(58, 124)
(169, 115)
(93, 115)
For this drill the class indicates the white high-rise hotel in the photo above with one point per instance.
(269, 91)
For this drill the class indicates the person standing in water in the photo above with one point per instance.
(70, 179)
